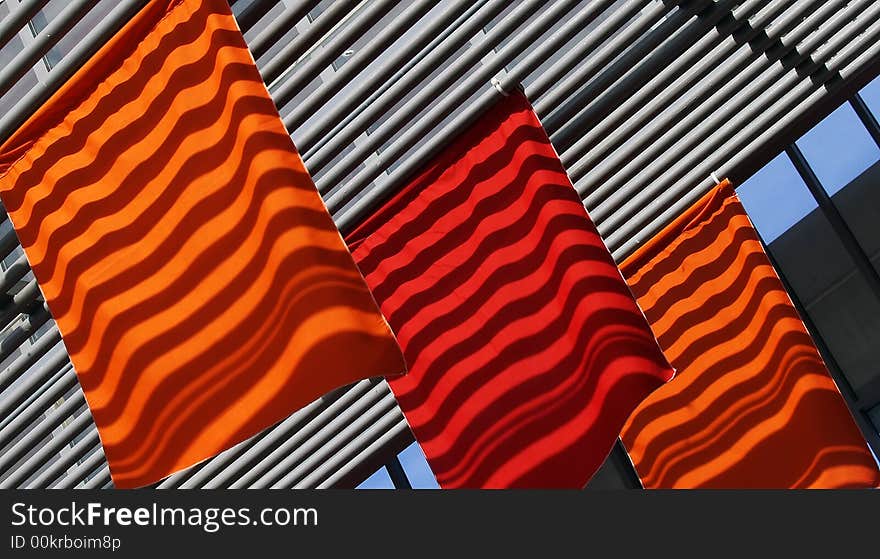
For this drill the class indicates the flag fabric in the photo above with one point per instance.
(526, 350)
(201, 288)
(752, 405)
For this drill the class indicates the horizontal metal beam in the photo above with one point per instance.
(18, 17)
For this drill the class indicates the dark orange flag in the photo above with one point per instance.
(201, 288)
(525, 347)
(752, 404)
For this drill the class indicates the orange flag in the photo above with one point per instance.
(752, 404)
(201, 288)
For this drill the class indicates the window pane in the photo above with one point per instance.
(874, 416)
(839, 148)
(836, 297)
(379, 480)
(776, 198)
(418, 472)
(859, 204)
(616, 472)
(871, 95)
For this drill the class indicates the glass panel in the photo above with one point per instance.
(776, 198)
(837, 299)
(379, 480)
(874, 416)
(418, 472)
(839, 148)
(871, 95)
(616, 472)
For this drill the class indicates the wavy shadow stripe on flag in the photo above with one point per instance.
(752, 404)
(525, 348)
(201, 288)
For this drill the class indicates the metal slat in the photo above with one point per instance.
(686, 191)
(290, 54)
(691, 46)
(385, 38)
(351, 215)
(36, 317)
(285, 438)
(34, 411)
(78, 474)
(338, 426)
(13, 274)
(35, 377)
(18, 18)
(276, 29)
(300, 77)
(321, 458)
(712, 134)
(45, 40)
(397, 91)
(43, 428)
(101, 480)
(253, 12)
(333, 119)
(731, 88)
(26, 360)
(449, 102)
(623, 51)
(71, 62)
(698, 78)
(396, 430)
(575, 56)
(89, 444)
(82, 423)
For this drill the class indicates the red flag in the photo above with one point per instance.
(752, 405)
(525, 348)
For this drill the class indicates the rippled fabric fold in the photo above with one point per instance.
(201, 288)
(752, 405)
(525, 348)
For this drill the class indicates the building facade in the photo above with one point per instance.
(647, 102)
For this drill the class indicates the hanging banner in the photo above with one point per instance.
(526, 351)
(752, 405)
(200, 286)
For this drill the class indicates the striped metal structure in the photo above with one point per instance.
(646, 102)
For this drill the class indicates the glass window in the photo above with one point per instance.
(616, 472)
(379, 480)
(418, 472)
(871, 95)
(839, 148)
(776, 198)
(415, 467)
(874, 416)
(859, 204)
(836, 297)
